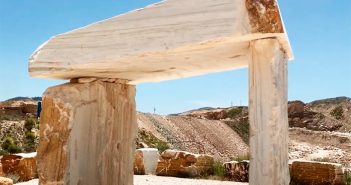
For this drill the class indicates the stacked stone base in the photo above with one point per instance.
(183, 164)
(316, 173)
(237, 171)
(25, 168)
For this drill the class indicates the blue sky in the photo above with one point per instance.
(319, 32)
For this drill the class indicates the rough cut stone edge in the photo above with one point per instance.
(84, 80)
(264, 16)
(62, 104)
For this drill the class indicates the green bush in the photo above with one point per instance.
(7, 142)
(30, 136)
(3, 152)
(14, 149)
(30, 145)
(30, 124)
(242, 128)
(338, 113)
(235, 112)
(9, 145)
(218, 169)
(348, 176)
(38, 124)
(162, 146)
(152, 141)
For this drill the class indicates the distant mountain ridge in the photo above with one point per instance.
(331, 100)
(20, 98)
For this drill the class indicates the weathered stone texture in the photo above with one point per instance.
(237, 171)
(139, 168)
(296, 107)
(24, 167)
(29, 108)
(268, 113)
(5, 181)
(264, 16)
(27, 169)
(9, 163)
(316, 173)
(1, 171)
(87, 134)
(145, 161)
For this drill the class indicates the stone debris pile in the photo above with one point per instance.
(24, 166)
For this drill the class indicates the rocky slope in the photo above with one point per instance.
(338, 110)
(320, 130)
(195, 135)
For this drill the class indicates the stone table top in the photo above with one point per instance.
(167, 40)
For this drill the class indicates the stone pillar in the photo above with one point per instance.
(268, 114)
(87, 134)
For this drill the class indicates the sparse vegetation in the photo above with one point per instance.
(7, 142)
(38, 124)
(15, 178)
(348, 177)
(338, 113)
(14, 149)
(9, 145)
(10, 117)
(235, 112)
(241, 157)
(242, 128)
(29, 142)
(3, 152)
(152, 141)
(162, 146)
(30, 136)
(323, 159)
(29, 124)
(218, 169)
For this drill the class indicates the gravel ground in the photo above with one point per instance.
(157, 180)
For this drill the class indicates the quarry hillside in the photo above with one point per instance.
(319, 130)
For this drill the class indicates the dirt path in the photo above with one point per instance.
(157, 180)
